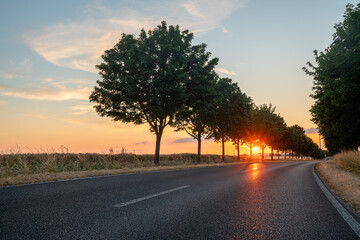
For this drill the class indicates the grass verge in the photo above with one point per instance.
(349, 161)
(18, 168)
(344, 183)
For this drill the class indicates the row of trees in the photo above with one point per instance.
(337, 85)
(162, 79)
(264, 128)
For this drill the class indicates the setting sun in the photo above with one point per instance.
(255, 149)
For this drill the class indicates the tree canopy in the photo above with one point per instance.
(336, 89)
(144, 78)
(160, 78)
(196, 114)
(231, 106)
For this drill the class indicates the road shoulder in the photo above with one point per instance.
(344, 184)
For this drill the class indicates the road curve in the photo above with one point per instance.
(245, 201)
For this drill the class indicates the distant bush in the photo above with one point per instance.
(349, 160)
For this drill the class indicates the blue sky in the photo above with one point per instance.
(49, 49)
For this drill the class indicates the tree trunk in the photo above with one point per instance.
(199, 147)
(278, 155)
(250, 151)
(223, 146)
(157, 147)
(262, 154)
(285, 154)
(272, 153)
(238, 150)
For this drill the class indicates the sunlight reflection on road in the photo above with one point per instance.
(255, 171)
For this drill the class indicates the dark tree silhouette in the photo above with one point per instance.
(337, 85)
(144, 78)
(196, 114)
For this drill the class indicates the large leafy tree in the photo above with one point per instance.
(240, 124)
(198, 111)
(337, 85)
(265, 127)
(143, 78)
(231, 105)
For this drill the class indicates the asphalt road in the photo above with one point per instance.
(247, 201)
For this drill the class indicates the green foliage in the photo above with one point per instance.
(194, 117)
(264, 127)
(144, 78)
(301, 144)
(337, 85)
(231, 107)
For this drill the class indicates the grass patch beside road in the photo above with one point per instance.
(12, 165)
(349, 161)
(21, 168)
(344, 183)
(18, 168)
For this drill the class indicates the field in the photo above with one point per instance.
(18, 168)
(12, 165)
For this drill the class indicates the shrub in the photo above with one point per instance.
(349, 160)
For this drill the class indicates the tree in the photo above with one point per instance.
(266, 127)
(238, 129)
(337, 85)
(143, 78)
(198, 110)
(230, 107)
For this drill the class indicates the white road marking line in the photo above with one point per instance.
(150, 196)
(343, 212)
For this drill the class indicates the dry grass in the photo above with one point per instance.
(54, 176)
(349, 161)
(18, 168)
(19, 164)
(344, 183)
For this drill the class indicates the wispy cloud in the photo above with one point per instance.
(311, 131)
(142, 143)
(3, 102)
(15, 69)
(224, 30)
(82, 109)
(46, 93)
(79, 44)
(225, 71)
(184, 140)
(7, 75)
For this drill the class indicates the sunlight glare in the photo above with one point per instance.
(255, 149)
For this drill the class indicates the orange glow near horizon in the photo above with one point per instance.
(255, 149)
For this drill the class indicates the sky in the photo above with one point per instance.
(49, 50)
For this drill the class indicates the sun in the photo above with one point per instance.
(255, 149)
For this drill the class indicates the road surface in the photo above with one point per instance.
(245, 201)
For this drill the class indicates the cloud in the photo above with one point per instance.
(311, 131)
(224, 30)
(80, 44)
(225, 71)
(192, 8)
(15, 69)
(142, 143)
(7, 75)
(82, 109)
(3, 102)
(58, 93)
(184, 140)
